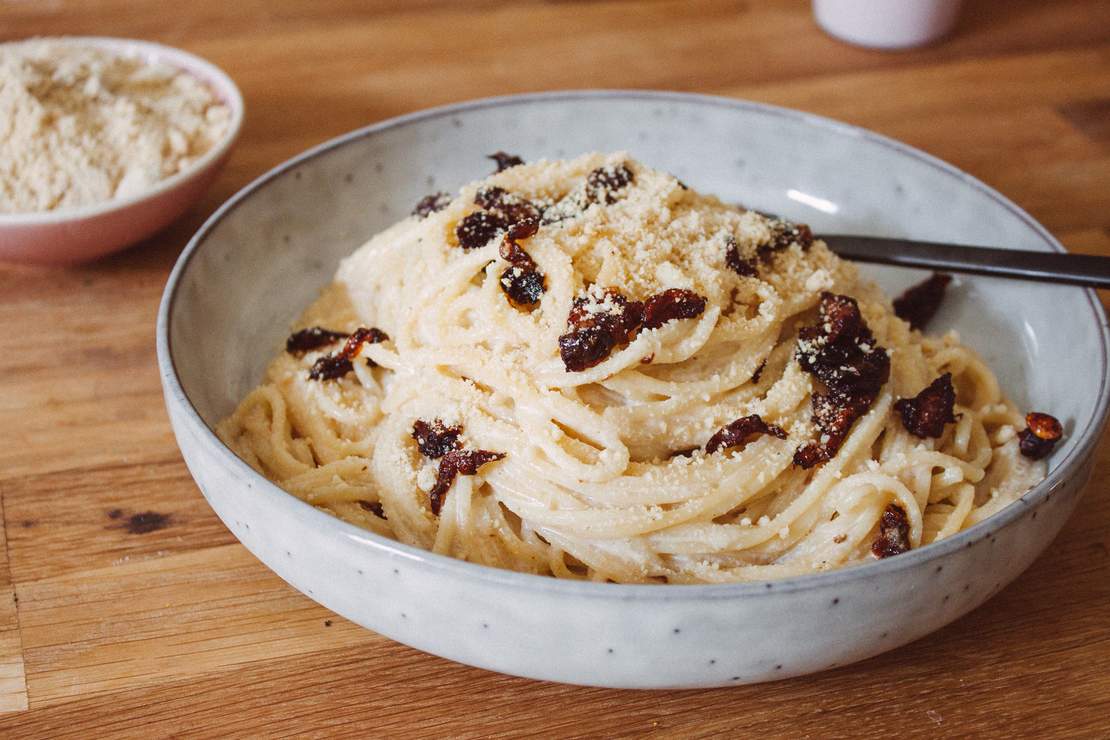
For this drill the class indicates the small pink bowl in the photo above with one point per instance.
(71, 235)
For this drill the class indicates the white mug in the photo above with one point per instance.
(887, 24)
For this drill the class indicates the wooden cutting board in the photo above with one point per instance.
(127, 608)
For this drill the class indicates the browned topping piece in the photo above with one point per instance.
(457, 462)
(786, 233)
(435, 439)
(491, 197)
(840, 351)
(604, 184)
(759, 372)
(742, 266)
(374, 507)
(505, 161)
(512, 208)
(330, 367)
(833, 415)
(363, 335)
(783, 234)
(740, 432)
(311, 338)
(523, 283)
(429, 204)
(925, 414)
(479, 228)
(523, 229)
(919, 303)
(894, 533)
(596, 328)
(510, 251)
(523, 287)
(670, 305)
(1040, 435)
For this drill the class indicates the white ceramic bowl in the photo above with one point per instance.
(261, 258)
(72, 235)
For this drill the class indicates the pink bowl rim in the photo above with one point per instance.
(221, 83)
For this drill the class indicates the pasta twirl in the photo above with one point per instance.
(605, 473)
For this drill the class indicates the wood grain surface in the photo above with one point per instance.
(114, 621)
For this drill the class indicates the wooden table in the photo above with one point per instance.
(106, 628)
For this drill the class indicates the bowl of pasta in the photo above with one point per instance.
(606, 410)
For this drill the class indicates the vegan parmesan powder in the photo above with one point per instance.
(81, 125)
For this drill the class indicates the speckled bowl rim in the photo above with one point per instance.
(222, 86)
(310, 517)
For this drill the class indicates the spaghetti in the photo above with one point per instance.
(567, 432)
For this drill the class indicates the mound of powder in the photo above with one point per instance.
(80, 125)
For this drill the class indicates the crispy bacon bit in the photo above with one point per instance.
(516, 218)
(374, 507)
(490, 197)
(363, 335)
(457, 462)
(740, 432)
(523, 287)
(435, 439)
(783, 234)
(810, 454)
(670, 305)
(786, 233)
(522, 282)
(604, 183)
(504, 161)
(1044, 426)
(311, 338)
(742, 266)
(919, 303)
(581, 349)
(595, 328)
(840, 351)
(894, 533)
(759, 372)
(598, 326)
(1041, 434)
(330, 367)
(510, 251)
(833, 415)
(925, 414)
(512, 208)
(479, 229)
(429, 204)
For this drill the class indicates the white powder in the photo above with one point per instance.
(79, 125)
